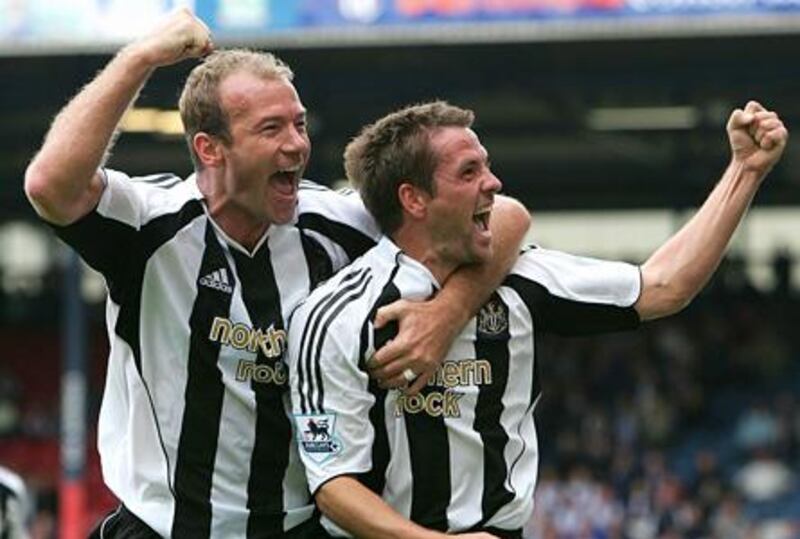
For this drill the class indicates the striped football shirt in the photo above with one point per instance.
(194, 433)
(462, 454)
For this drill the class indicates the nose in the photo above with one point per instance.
(295, 141)
(492, 183)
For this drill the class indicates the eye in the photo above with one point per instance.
(469, 172)
(301, 125)
(270, 128)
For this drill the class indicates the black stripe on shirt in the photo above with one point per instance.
(120, 253)
(164, 181)
(330, 314)
(305, 375)
(491, 343)
(354, 242)
(429, 450)
(375, 478)
(273, 431)
(318, 262)
(203, 398)
(567, 317)
(312, 186)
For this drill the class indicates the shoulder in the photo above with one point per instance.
(137, 200)
(577, 277)
(338, 205)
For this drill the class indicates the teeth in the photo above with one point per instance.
(482, 219)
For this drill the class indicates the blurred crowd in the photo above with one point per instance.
(686, 428)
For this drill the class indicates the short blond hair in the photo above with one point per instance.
(199, 102)
(395, 150)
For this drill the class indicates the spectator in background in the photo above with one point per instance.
(757, 428)
(728, 520)
(763, 477)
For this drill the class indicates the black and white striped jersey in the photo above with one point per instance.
(194, 430)
(14, 505)
(463, 453)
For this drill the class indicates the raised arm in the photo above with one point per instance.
(428, 329)
(680, 268)
(62, 182)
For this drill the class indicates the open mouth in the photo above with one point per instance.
(481, 219)
(285, 181)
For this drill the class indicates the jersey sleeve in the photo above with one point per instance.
(330, 396)
(574, 295)
(338, 220)
(106, 237)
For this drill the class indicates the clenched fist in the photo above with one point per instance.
(757, 137)
(178, 36)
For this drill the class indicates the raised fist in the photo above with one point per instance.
(177, 36)
(757, 137)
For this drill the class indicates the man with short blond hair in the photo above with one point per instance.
(194, 432)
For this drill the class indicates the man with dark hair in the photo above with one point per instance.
(194, 432)
(461, 456)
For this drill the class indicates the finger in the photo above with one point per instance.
(739, 119)
(395, 382)
(390, 312)
(765, 115)
(417, 385)
(390, 370)
(371, 363)
(753, 107)
(765, 127)
(389, 352)
(775, 139)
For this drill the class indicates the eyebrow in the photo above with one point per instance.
(279, 118)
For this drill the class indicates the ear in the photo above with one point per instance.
(208, 149)
(413, 200)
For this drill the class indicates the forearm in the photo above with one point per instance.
(680, 268)
(365, 515)
(61, 176)
(470, 286)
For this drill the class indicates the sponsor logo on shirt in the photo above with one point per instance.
(270, 342)
(441, 398)
(316, 436)
(277, 373)
(218, 280)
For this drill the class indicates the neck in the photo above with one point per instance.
(239, 225)
(416, 243)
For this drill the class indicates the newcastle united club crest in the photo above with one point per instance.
(493, 319)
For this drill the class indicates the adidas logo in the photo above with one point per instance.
(218, 280)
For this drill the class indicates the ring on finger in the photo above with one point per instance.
(409, 375)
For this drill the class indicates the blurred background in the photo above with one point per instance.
(605, 117)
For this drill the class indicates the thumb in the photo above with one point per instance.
(740, 119)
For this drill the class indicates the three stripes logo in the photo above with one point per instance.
(218, 280)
